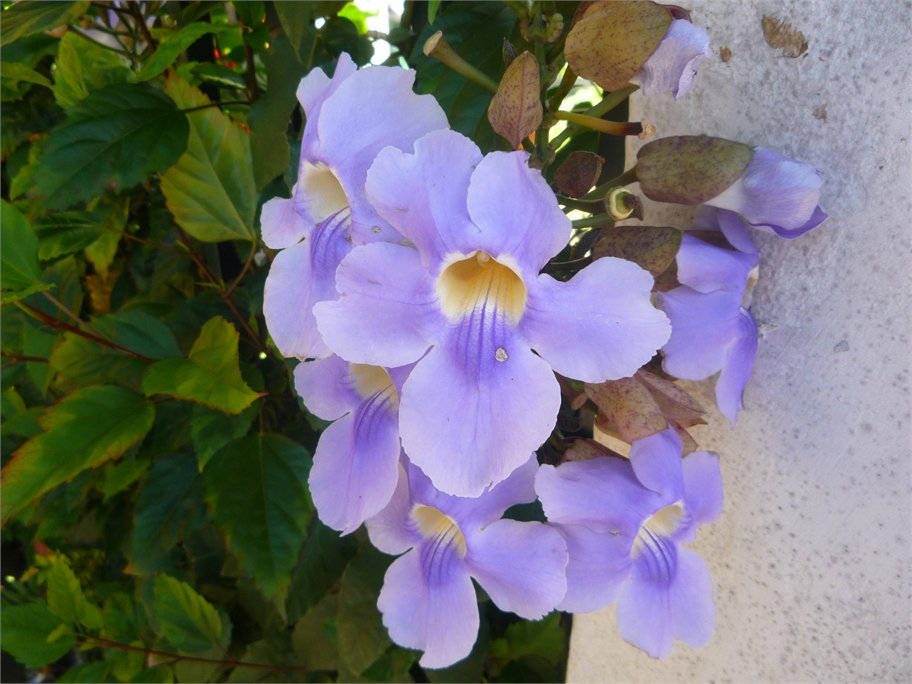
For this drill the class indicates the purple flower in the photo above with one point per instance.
(355, 465)
(673, 64)
(776, 193)
(624, 522)
(710, 329)
(428, 601)
(327, 211)
(468, 300)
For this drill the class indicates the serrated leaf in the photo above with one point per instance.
(169, 500)
(186, 619)
(629, 406)
(26, 629)
(210, 191)
(652, 248)
(210, 375)
(172, 46)
(117, 135)
(362, 636)
(516, 109)
(25, 18)
(65, 597)
(690, 169)
(84, 430)
(269, 116)
(255, 489)
(19, 268)
(613, 39)
(83, 66)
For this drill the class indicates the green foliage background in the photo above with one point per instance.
(156, 521)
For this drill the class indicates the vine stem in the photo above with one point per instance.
(193, 659)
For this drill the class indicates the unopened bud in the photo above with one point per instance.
(621, 203)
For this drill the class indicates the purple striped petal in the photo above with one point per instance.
(599, 563)
(520, 565)
(598, 326)
(391, 530)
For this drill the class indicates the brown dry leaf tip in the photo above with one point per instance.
(780, 34)
(648, 130)
(725, 53)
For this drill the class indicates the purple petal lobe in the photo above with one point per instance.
(391, 530)
(282, 223)
(386, 315)
(703, 494)
(598, 326)
(326, 387)
(475, 407)
(668, 597)
(704, 267)
(739, 362)
(356, 463)
(423, 195)
(598, 566)
(428, 603)
(673, 64)
(518, 488)
(520, 565)
(703, 326)
(516, 212)
(656, 461)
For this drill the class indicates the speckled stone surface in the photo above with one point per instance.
(811, 559)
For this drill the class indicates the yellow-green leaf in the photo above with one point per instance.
(210, 375)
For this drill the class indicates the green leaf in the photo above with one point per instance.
(210, 375)
(323, 559)
(83, 66)
(269, 116)
(117, 135)
(186, 619)
(65, 597)
(356, 16)
(19, 268)
(169, 501)
(362, 636)
(16, 72)
(25, 18)
(85, 429)
(340, 35)
(95, 671)
(171, 47)
(690, 169)
(210, 191)
(543, 639)
(256, 490)
(26, 629)
(213, 429)
(297, 21)
(314, 635)
(67, 232)
(613, 39)
(101, 252)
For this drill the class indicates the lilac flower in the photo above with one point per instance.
(428, 601)
(468, 301)
(624, 522)
(327, 211)
(356, 462)
(673, 64)
(776, 193)
(710, 329)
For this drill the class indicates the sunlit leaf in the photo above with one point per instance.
(256, 489)
(210, 191)
(172, 46)
(117, 136)
(26, 629)
(83, 66)
(210, 375)
(25, 18)
(87, 428)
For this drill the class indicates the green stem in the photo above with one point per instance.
(600, 125)
(626, 178)
(437, 47)
(612, 100)
(565, 86)
(592, 221)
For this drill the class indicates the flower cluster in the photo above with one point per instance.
(410, 282)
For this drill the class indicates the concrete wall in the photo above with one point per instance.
(811, 558)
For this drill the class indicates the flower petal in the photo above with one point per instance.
(656, 461)
(423, 195)
(428, 603)
(703, 495)
(673, 64)
(703, 326)
(516, 212)
(391, 530)
(598, 326)
(520, 565)
(386, 314)
(299, 277)
(705, 268)
(355, 467)
(655, 609)
(282, 224)
(518, 488)
(737, 369)
(599, 563)
(468, 419)
(326, 387)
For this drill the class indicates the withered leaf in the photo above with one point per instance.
(516, 109)
(629, 406)
(579, 172)
(780, 34)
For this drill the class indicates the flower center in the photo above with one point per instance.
(663, 523)
(324, 191)
(480, 281)
(439, 528)
(370, 380)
